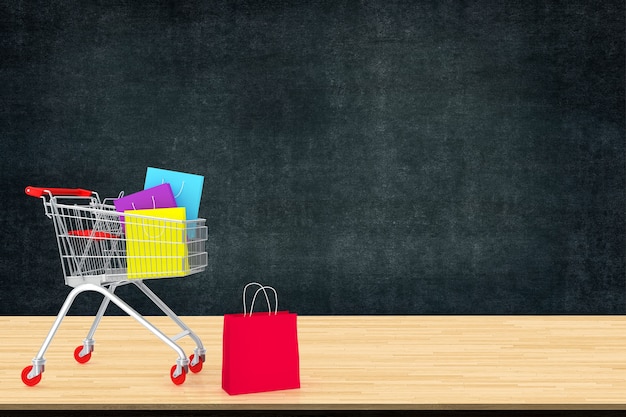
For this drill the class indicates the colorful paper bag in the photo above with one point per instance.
(156, 243)
(187, 188)
(260, 352)
(160, 196)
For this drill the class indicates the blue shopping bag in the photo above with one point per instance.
(187, 188)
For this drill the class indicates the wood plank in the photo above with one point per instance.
(347, 362)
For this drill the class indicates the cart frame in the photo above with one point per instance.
(92, 246)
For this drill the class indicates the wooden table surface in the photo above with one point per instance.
(346, 362)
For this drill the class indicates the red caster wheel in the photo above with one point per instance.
(31, 382)
(197, 367)
(81, 359)
(179, 379)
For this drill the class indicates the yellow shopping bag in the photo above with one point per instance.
(156, 244)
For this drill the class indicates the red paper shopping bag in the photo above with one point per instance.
(260, 352)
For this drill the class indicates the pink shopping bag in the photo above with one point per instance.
(260, 351)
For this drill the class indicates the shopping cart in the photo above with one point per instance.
(102, 249)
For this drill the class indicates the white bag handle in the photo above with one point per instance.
(153, 204)
(169, 224)
(245, 289)
(269, 308)
(263, 287)
(181, 187)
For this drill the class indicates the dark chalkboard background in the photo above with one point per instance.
(374, 157)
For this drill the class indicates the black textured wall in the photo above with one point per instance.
(372, 157)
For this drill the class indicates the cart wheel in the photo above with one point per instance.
(81, 359)
(179, 379)
(195, 368)
(31, 382)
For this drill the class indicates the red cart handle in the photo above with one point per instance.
(41, 191)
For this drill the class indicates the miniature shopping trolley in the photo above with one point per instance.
(102, 249)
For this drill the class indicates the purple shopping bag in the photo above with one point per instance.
(160, 196)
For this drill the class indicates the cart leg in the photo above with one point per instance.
(182, 363)
(134, 314)
(199, 351)
(39, 361)
(89, 342)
